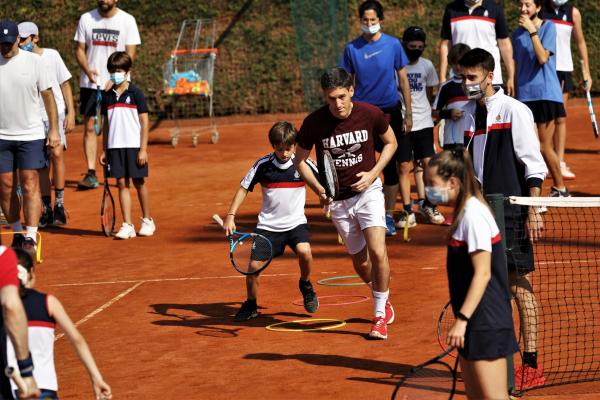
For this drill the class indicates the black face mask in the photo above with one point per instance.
(413, 54)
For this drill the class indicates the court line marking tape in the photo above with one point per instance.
(102, 308)
(328, 281)
(338, 324)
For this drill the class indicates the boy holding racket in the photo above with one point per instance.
(281, 218)
(44, 312)
(358, 211)
(125, 143)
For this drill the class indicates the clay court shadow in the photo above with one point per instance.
(62, 230)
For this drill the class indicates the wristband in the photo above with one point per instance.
(534, 182)
(532, 34)
(26, 367)
(231, 214)
(462, 317)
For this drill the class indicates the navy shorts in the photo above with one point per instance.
(489, 344)
(122, 163)
(24, 155)
(289, 238)
(417, 145)
(87, 102)
(45, 394)
(566, 80)
(545, 111)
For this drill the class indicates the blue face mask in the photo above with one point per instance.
(118, 77)
(27, 47)
(436, 195)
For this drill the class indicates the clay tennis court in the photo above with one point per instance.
(157, 312)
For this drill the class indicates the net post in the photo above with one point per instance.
(496, 202)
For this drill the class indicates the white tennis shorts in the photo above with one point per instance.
(353, 215)
(61, 129)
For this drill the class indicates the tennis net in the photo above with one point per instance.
(558, 286)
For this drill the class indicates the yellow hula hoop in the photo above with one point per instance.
(275, 327)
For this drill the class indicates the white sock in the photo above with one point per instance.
(31, 232)
(17, 227)
(380, 298)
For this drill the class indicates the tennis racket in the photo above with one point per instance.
(107, 210)
(445, 322)
(98, 113)
(329, 178)
(432, 380)
(16, 377)
(591, 110)
(250, 253)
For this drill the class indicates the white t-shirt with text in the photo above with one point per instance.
(421, 75)
(104, 36)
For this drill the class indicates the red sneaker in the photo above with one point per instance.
(527, 377)
(378, 328)
(389, 313)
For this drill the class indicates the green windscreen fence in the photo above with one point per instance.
(321, 30)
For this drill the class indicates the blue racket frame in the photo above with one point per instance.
(233, 242)
(97, 127)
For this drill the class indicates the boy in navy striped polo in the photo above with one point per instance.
(125, 143)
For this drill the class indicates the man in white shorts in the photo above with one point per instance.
(23, 144)
(59, 77)
(348, 129)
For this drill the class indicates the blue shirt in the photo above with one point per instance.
(374, 65)
(536, 81)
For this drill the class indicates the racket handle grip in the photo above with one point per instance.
(327, 211)
(217, 219)
(13, 374)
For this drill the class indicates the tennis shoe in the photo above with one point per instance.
(566, 171)
(389, 313)
(147, 228)
(378, 329)
(555, 192)
(390, 229)
(527, 377)
(3, 220)
(127, 231)
(47, 217)
(247, 311)
(89, 181)
(18, 239)
(412, 221)
(432, 214)
(309, 297)
(30, 246)
(60, 217)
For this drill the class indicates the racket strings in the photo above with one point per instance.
(252, 253)
(432, 382)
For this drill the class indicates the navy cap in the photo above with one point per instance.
(8, 31)
(414, 33)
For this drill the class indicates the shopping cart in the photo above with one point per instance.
(188, 79)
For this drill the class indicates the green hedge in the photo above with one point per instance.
(257, 68)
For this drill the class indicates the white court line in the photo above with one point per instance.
(240, 276)
(102, 308)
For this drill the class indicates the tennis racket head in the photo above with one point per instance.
(329, 175)
(432, 380)
(445, 322)
(98, 112)
(250, 253)
(107, 211)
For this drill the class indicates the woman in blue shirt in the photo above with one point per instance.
(534, 46)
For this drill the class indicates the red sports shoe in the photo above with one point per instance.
(389, 313)
(527, 377)
(378, 328)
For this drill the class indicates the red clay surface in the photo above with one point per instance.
(157, 312)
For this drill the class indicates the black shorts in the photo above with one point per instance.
(122, 163)
(87, 102)
(390, 171)
(566, 81)
(545, 110)
(290, 238)
(20, 154)
(489, 344)
(519, 250)
(417, 145)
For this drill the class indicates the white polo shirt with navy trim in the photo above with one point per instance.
(123, 113)
(479, 27)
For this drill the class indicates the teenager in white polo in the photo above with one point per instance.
(23, 80)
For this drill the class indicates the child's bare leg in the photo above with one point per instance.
(58, 168)
(252, 281)
(143, 196)
(528, 315)
(304, 260)
(124, 199)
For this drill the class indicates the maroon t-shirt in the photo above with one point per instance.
(350, 141)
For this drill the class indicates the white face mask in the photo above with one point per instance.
(437, 195)
(558, 3)
(373, 29)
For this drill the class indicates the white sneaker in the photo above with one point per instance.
(432, 214)
(127, 231)
(566, 171)
(412, 222)
(147, 228)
